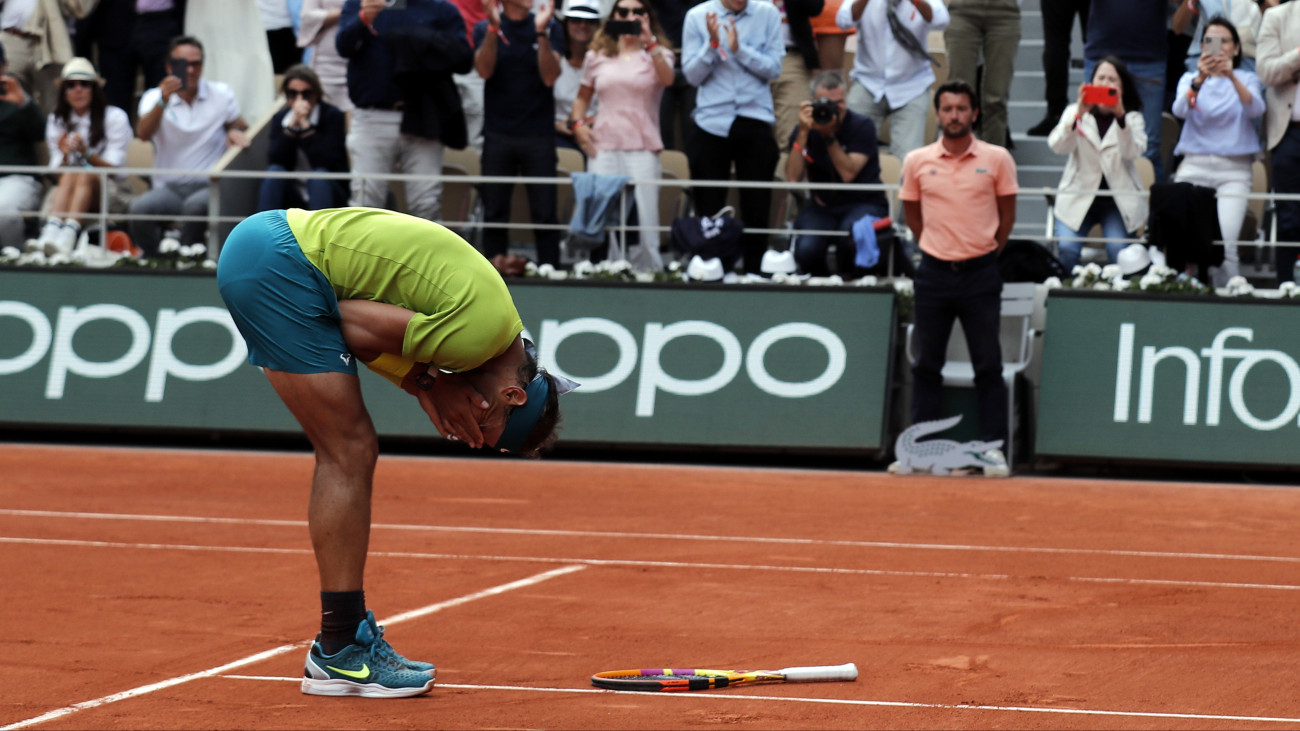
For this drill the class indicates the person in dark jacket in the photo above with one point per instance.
(400, 66)
(308, 134)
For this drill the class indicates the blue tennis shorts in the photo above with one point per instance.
(282, 304)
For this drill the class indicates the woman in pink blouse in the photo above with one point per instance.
(628, 74)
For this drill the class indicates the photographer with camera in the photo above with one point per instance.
(833, 144)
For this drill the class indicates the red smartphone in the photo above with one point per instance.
(1106, 96)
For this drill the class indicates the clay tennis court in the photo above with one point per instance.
(176, 589)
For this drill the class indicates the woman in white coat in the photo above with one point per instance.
(1104, 143)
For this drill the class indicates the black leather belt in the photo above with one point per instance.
(961, 265)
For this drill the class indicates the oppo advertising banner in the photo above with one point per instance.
(1186, 379)
(742, 367)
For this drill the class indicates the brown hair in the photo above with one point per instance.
(303, 72)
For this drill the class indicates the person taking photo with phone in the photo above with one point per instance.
(1103, 134)
(628, 68)
(191, 122)
(82, 132)
(1218, 103)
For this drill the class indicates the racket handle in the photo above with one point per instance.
(820, 673)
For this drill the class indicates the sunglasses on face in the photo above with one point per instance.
(78, 84)
(191, 63)
(623, 11)
(292, 94)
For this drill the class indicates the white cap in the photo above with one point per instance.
(1133, 259)
(588, 9)
(700, 270)
(775, 262)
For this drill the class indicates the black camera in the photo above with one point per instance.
(825, 110)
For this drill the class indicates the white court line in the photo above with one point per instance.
(656, 536)
(847, 702)
(665, 564)
(171, 682)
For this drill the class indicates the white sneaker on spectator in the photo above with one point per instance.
(995, 463)
(49, 231)
(65, 240)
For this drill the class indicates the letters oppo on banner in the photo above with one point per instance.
(776, 367)
(1206, 380)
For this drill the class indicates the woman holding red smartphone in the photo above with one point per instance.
(627, 67)
(1219, 102)
(1103, 134)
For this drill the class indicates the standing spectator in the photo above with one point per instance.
(470, 84)
(191, 121)
(731, 50)
(580, 24)
(1103, 144)
(82, 131)
(678, 102)
(1195, 14)
(277, 21)
(628, 73)
(830, 38)
(1134, 31)
(400, 66)
(1279, 68)
(988, 28)
(320, 26)
(37, 42)
(892, 70)
(308, 134)
(839, 150)
(1058, 27)
(1218, 103)
(21, 128)
(131, 37)
(959, 195)
(516, 56)
(238, 56)
(799, 63)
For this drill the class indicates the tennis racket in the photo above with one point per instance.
(681, 679)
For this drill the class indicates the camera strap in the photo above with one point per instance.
(906, 38)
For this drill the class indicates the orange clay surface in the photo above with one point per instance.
(176, 590)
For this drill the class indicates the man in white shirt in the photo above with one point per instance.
(891, 78)
(191, 122)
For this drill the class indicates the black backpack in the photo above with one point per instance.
(1023, 260)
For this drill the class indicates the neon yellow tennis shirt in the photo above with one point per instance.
(464, 313)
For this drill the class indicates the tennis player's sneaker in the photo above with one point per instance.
(387, 650)
(994, 463)
(369, 668)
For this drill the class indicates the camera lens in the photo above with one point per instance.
(823, 111)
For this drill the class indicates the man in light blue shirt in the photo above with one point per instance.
(731, 51)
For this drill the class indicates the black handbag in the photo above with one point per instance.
(717, 236)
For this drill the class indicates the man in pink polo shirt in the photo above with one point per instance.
(959, 197)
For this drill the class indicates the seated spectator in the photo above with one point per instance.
(191, 122)
(308, 134)
(841, 149)
(21, 128)
(580, 24)
(1103, 144)
(893, 69)
(83, 131)
(1279, 67)
(1219, 102)
(628, 73)
(515, 53)
(400, 66)
(320, 25)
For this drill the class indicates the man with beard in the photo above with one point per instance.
(959, 198)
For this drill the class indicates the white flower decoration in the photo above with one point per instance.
(868, 281)
(209, 264)
(903, 285)
(545, 270)
(10, 253)
(198, 249)
(169, 246)
(583, 269)
(1052, 283)
(530, 268)
(1111, 271)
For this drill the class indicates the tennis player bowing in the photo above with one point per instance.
(959, 198)
(313, 292)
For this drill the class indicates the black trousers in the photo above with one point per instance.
(751, 148)
(531, 157)
(973, 295)
(146, 48)
(1058, 23)
(1286, 179)
(675, 109)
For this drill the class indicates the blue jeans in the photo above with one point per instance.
(283, 192)
(810, 249)
(1150, 77)
(1102, 211)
